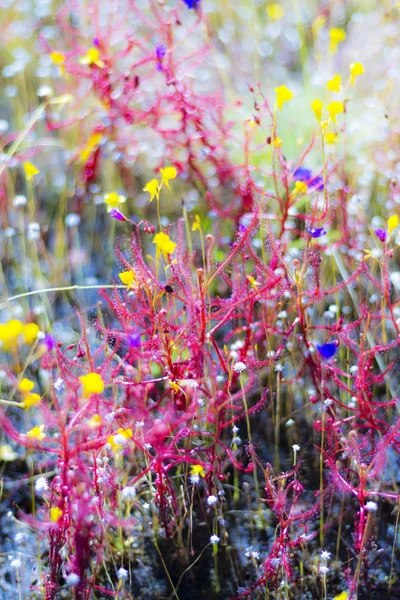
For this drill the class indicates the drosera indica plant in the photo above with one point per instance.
(236, 347)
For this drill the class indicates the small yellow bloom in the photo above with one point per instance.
(330, 138)
(153, 188)
(128, 278)
(167, 174)
(254, 284)
(30, 170)
(164, 244)
(36, 432)
(31, 400)
(92, 57)
(334, 108)
(26, 385)
(342, 596)
(197, 470)
(126, 433)
(113, 200)
(336, 35)
(55, 514)
(277, 142)
(174, 386)
(300, 187)
(392, 223)
(9, 333)
(7, 453)
(317, 106)
(334, 84)
(283, 94)
(58, 58)
(95, 421)
(90, 145)
(356, 69)
(92, 384)
(197, 224)
(275, 12)
(29, 332)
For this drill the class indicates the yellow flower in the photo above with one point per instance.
(277, 142)
(92, 57)
(317, 106)
(26, 385)
(342, 596)
(113, 200)
(153, 188)
(334, 108)
(36, 432)
(128, 278)
(164, 244)
(330, 138)
(90, 145)
(29, 332)
(392, 223)
(254, 284)
(197, 470)
(117, 441)
(167, 174)
(9, 332)
(30, 170)
(95, 421)
(58, 58)
(7, 453)
(275, 12)
(334, 84)
(336, 35)
(197, 224)
(356, 69)
(283, 94)
(300, 187)
(92, 384)
(31, 400)
(55, 514)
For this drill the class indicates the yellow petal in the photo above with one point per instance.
(392, 223)
(30, 170)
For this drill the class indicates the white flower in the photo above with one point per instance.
(278, 368)
(323, 569)
(235, 429)
(16, 563)
(59, 385)
(371, 506)
(128, 493)
(72, 579)
(41, 485)
(239, 366)
(214, 539)
(211, 500)
(195, 478)
(250, 553)
(296, 448)
(122, 574)
(289, 423)
(325, 555)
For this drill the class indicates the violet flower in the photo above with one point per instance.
(380, 234)
(327, 350)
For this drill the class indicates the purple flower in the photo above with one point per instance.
(161, 51)
(192, 3)
(380, 234)
(96, 42)
(134, 340)
(117, 214)
(327, 350)
(316, 232)
(49, 341)
(304, 174)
